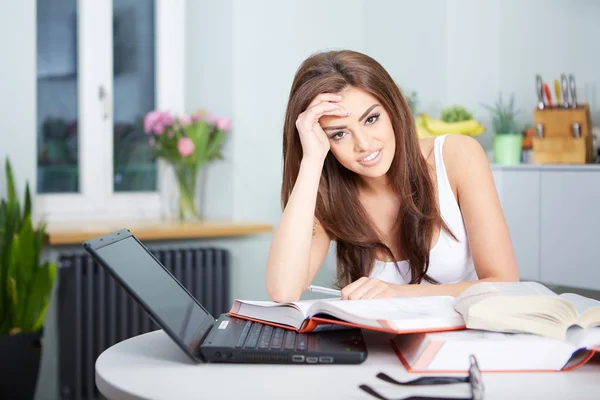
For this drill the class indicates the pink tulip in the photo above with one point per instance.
(157, 121)
(212, 120)
(185, 120)
(223, 124)
(185, 146)
(200, 115)
(150, 120)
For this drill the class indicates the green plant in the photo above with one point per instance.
(456, 114)
(412, 99)
(503, 115)
(25, 282)
(186, 142)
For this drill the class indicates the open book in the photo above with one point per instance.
(495, 351)
(527, 307)
(398, 315)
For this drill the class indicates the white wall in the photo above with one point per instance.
(18, 92)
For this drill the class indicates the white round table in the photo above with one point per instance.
(151, 366)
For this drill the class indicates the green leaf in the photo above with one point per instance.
(27, 210)
(13, 303)
(38, 302)
(11, 193)
(215, 145)
(25, 283)
(199, 133)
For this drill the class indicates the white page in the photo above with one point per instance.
(588, 338)
(480, 291)
(581, 303)
(400, 308)
(303, 305)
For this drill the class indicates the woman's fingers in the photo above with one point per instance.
(324, 97)
(312, 115)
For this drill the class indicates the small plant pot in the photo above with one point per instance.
(507, 148)
(19, 365)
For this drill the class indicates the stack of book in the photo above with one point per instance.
(508, 326)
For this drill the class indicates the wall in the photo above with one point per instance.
(17, 85)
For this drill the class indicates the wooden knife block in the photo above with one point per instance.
(558, 143)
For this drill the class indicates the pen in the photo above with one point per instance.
(321, 289)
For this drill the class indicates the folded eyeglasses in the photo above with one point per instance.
(474, 379)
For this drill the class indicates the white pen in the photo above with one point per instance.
(321, 289)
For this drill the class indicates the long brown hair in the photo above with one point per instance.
(338, 208)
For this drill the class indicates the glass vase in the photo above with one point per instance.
(186, 177)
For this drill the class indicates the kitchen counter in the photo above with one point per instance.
(547, 167)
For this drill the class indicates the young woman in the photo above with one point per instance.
(402, 211)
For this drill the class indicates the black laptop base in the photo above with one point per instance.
(242, 341)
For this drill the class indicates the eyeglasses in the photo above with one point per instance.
(474, 379)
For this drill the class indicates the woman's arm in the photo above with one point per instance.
(491, 247)
(489, 238)
(299, 244)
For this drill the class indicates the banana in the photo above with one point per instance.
(422, 131)
(427, 127)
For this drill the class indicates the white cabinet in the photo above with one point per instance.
(553, 214)
(519, 192)
(570, 214)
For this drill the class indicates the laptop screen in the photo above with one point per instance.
(155, 287)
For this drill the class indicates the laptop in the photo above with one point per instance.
(203, 338)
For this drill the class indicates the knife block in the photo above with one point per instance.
(557, 142)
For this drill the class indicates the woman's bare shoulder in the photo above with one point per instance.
(427, 149)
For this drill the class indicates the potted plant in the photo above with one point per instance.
(507, 140)
(186, 143)
(25, 287)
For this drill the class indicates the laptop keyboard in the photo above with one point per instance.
(255, 335)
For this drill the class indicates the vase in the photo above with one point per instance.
(186, 177)
(507, 148)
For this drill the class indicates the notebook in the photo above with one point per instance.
(395, 315)
(495, 351)
(200, 336)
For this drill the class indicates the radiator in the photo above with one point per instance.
(94, 312)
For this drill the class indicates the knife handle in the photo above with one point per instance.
(557, 91)
(565, 90)
(548, 94)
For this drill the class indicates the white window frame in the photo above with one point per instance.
(96, 199)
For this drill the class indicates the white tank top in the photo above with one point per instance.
(450, 260)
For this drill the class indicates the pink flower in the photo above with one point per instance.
(185, 120)
(212, 120)
(185, 146)
(200, 115)
(223, 124)
(157, 121)
(152, 142)
(150, 120)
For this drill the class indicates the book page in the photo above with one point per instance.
(480, 291)
(292, 314)
(409, 312)
(581, 303)
(586, 338)
(302, 305)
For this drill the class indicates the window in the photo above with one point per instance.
(102, 66)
